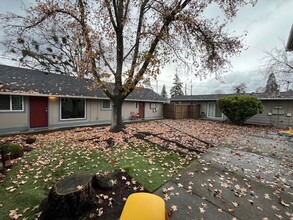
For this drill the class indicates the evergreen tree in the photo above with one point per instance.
(164, 92)
(177, 88)
(272, 86)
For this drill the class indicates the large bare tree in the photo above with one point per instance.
(239, 88)
(279, 62)
(125, 42)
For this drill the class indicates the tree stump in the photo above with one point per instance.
(69, 198)
(5, 159)
(30, 140)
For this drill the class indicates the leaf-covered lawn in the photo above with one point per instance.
(151, 152)
(59, 154)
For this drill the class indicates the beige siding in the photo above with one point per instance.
(127, 108)
(54, 113)
(92, 109)
(13, 120)
(96, 114)
(19, 120)
(153, 113)
(53, 110)
(102, 114)
(105, 114)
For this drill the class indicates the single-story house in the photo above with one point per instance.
(31, 99)
(278, 108)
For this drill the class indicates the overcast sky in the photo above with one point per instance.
(267, 24)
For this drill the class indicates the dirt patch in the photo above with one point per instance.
(111, 200)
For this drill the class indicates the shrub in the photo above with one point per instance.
(14, 149)
(240, 108)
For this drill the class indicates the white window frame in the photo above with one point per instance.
(208, 110)
(70, 119)
(10, 104)
(106, 109)
(153, 105)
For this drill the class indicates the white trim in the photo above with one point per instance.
(71, 119)
(153, 105)
(78, 97)
(106, 109)
(10, 104)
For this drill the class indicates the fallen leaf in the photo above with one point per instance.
(279, 216)
(13, 214)
(100, 211)
(230, 209)
(174, 208)
(79, 187)
(267, 196)
(202, 210)
(283, 203)
(250, 201)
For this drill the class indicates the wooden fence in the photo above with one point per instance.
(180, 111)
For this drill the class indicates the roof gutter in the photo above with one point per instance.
(49, 95)
(72, 96)
(205, 100)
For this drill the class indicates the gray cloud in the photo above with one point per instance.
(266, 23)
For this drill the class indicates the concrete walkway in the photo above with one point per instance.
(252, 179)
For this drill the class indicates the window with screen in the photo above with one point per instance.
(72, 108)
(11, 103)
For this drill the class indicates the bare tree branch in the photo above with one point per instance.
(131, 40)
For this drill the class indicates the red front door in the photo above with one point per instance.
(38, 112)
(141, 110)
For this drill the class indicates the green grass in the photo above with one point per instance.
(32, 176)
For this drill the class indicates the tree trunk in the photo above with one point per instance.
(69, 198)
(116, 120)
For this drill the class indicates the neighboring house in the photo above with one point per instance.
(32, 99)
(278, 108)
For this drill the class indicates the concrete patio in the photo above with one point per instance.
(251, 180)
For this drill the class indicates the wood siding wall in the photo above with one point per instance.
(180, 111)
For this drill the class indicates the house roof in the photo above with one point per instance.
(15, 80)
(289, 46)
(213, 97)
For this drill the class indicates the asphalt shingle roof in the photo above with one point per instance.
(213, 97)
(35, 82)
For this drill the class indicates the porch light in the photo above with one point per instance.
(52, 98)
